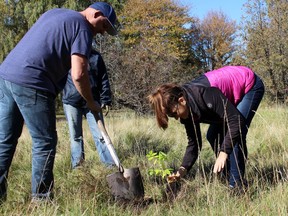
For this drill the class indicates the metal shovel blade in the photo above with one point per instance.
(127, 185)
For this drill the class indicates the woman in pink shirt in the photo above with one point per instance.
(245, 90)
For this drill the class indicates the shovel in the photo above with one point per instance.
(127, 183)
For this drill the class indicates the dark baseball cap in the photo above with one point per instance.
(107, 11)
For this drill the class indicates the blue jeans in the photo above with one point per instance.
(247, 107)
(37, 109)
(74, 118)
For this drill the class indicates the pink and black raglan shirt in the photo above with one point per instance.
(233, 81)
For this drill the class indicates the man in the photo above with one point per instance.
(31, 76)
(75, 108)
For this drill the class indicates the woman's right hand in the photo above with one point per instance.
(174, 177)
(177, 176)
(220, 162)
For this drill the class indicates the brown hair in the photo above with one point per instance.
(162, 101)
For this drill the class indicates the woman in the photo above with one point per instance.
(226, 99)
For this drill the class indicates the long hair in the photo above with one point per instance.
(162, 100)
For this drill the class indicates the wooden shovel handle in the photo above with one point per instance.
(108, 141)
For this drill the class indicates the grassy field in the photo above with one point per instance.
(85, 191)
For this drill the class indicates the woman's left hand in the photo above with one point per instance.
(220, 162)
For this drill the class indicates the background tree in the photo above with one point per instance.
(10, 26)
(150, 52)
(213, 40)
(266, 37)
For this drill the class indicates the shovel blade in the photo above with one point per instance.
(127, 185)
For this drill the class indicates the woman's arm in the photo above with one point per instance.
(194, 143)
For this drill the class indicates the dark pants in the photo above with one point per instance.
(247, 107)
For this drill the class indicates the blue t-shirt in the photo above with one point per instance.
(42, 58)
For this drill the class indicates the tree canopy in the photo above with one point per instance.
(266, 36)
(213, 40)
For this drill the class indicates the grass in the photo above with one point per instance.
(85, 191)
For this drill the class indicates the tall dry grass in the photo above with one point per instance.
(85, 191)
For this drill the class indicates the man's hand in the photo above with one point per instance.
(220, 162)
(105, 109)
(94, 106)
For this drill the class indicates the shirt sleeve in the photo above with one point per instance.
(105, 91)
(194, 143)
(82, 44)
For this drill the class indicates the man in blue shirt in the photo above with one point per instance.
(31, 76)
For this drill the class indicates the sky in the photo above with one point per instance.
(199, 8)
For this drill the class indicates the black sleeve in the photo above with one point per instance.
(194, 143)
(99, 79)
(105, 91)
(218, 103)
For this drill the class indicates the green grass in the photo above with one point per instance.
(85, 191)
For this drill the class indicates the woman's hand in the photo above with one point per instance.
(176, 176)
(220, 162)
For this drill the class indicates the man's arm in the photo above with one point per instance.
(80, 77)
